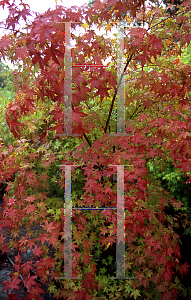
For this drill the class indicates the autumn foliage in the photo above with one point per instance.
(157, 126)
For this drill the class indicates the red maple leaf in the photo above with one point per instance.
(49, 227)
(5, 43)
(21, 53)
(31, 244)
(27, 267)
(48, 262)
(30, 281)
(187, 38)
(37, 250)
(13, 284)
(184, 269)
(3, 2)
(11, 201)
(30, 209)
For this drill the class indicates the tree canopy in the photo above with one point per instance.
(110, 122)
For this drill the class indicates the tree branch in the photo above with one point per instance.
(167, 18)
(113, 100)
(87, 140)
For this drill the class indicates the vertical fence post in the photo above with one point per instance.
(68, 82)
(68, 226)
(120, 244)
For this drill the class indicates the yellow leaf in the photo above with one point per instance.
(149, 14)
(168, 42)
(85, 25)
(128, 20)
(106, 247)
(108, 27)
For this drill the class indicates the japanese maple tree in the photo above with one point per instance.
(157, 126)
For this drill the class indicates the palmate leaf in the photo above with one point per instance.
(135, 293)
(11, 284)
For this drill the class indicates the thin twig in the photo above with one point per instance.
(135, 111)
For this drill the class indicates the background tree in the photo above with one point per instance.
(7, 95)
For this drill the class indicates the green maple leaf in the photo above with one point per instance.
(98, 252)
(103, 270)
(135, 293)
(57, 144)
(128, 288)
(53, 178)
(52, 288)
(110, 259)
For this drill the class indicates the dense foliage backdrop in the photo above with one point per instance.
(157, 127)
